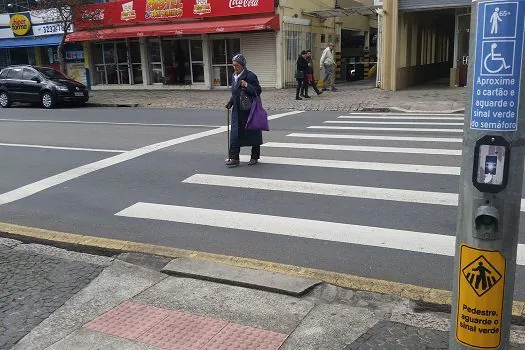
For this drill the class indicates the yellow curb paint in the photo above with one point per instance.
(407, 291)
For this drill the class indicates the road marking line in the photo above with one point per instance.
(396, 117)
(315, 146)
(384, 129)
(376, 137)
(39, 186)
(412, 241)
(388, 194)
(300, 228)
(62, 148)
(104, 123)
(390, 123)
(342, 164)
(376, 193)
(409, 114)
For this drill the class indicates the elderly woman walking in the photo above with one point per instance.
(245, 88)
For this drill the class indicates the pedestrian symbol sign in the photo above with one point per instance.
(481, 275)
(480, 297)
(498, 65)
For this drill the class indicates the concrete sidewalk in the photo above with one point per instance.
(351, 97)
(126, 302)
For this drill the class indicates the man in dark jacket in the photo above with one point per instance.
(310, 80)
(244, 82)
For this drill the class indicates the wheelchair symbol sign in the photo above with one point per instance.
(498, 57)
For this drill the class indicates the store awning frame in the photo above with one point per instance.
(259, 23)
(343, 11)
(31, 41)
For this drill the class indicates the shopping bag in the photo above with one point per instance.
(258, 118)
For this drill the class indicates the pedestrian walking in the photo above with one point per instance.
(310, 77)
(245, 88)
(301, 76)
(328, 63)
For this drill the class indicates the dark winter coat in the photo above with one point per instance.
(310, 65)
(302, 65)
(239, 135)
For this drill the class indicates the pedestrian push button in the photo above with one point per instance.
(491, 164)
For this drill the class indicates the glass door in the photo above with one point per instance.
(156, 65)
(123, 64)
(223, 51)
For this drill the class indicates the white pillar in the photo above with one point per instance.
(280, 60)
(206, 58)
(144, 59)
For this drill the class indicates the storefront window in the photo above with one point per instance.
(222, 54)
(176, 61)
(117, 62)
(22, 55)
(4, 58)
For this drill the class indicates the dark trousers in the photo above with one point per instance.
(302, 86)
(314, 85)
(236, 150)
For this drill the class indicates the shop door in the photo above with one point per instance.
(123, 64)
(463, 37)
(222, 54)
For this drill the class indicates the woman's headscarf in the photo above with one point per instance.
(239, 58)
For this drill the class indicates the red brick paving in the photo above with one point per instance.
(175, 330)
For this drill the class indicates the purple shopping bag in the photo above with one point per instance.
(258, 119)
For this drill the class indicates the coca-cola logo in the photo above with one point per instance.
(243, 3)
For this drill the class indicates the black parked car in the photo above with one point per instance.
(39, 85)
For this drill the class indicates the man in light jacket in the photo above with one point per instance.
(328, 63)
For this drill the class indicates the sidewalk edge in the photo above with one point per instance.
(71, 240)
(403, 110)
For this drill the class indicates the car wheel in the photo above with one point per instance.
(5, 102)
(48, 101)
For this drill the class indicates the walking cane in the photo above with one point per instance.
(228, 132)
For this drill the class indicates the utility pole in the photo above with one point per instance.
(491, 178)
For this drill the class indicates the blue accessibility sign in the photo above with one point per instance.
(497, 70)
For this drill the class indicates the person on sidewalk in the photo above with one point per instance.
(245, 87)
(301, 76)
(328, 63)
(310, 77)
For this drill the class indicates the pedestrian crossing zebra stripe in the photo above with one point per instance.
(419, 242)
(376, 193)
(396, 117)
(376, 137)
(435, 151)
(383, 129)
(408, 114)
(342, 164)
(390, 123)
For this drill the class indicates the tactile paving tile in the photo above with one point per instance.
(182, 331)
(238, 337)
(129, 320)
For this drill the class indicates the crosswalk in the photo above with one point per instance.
(390, 159)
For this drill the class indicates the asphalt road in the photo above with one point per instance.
(333, 204)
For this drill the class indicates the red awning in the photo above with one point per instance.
(161, 29)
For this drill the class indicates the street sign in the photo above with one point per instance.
(498, 64)
(480, 298)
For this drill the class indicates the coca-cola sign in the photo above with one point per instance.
(109, 14)
(243, 3)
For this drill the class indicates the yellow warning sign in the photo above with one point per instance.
(480, 297)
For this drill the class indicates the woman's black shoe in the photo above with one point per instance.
(298, 98)
(253, 161)
(306, 96)
(232, 163)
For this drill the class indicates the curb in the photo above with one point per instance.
(403, 110)
(433, 298)
(123, 105)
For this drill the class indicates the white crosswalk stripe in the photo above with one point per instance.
(376, 137)
(402, 150)
(339, 230)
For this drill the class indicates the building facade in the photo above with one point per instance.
(422, 41)
(189, 44)
(32, 37)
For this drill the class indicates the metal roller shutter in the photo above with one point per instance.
(431, 4)
(260, 52)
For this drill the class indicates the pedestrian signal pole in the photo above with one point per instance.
(491, 178)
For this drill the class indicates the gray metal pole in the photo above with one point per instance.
(491, 179)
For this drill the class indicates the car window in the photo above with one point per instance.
(15, 73)
(29, 74)
(3, 73)
(50, 73)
